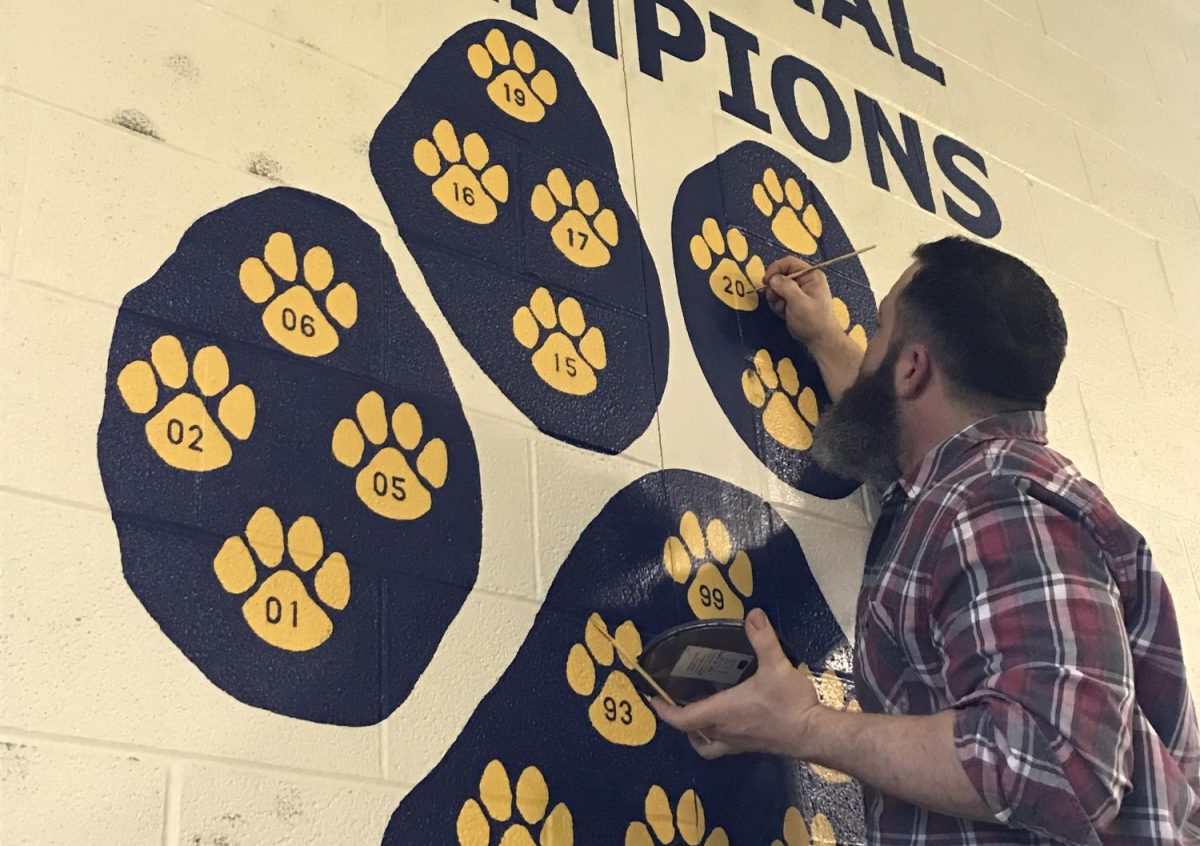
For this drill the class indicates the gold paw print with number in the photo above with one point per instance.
(184, 432)
(718, 579)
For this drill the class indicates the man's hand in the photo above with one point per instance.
(769, 712)
(806, 306)
(777, 711)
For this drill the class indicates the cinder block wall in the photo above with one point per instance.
(123, 123)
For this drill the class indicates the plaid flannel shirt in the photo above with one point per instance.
(1000, 583)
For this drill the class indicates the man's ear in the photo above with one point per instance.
(914, 371)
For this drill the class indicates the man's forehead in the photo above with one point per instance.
(890, 298)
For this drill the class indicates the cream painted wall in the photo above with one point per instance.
(121, 123)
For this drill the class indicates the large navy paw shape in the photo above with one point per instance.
(568, 714)
(534, 257)
(235, 379)
(732, 218)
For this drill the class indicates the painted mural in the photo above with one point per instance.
(283, 450)
(732, 218)
(296, 489)
(564, 750)
(502, 182)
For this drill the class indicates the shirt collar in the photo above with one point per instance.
(943, 458)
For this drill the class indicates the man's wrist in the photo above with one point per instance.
(826, 343)
(839, 359)
(810, 732)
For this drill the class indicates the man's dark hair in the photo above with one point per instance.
(993, 324)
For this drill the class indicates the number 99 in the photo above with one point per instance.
(712, 597)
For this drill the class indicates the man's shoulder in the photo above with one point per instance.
(1007, 473)
(1004, 478)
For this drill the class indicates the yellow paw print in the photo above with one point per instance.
(281, 611)
(832, 693)
(495, 805)
(735, 281)
(293, 318)
(522, 91)
(703, 557)
(857, 334)
(469, 188)
(567, 359)
(776, 390)
(387, 484)
(585, 231)
(686, 824)
(183, 433)
(618, 712)
(795, 225)
(797, 833)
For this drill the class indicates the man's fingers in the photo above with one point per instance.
(775, 302)
(763, 638)
(786, 265)
(786, 289)
(708, 749)
(809, 280)
(683, 719)
(668, 713)
(698, 716)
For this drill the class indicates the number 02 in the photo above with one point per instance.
(176, 432)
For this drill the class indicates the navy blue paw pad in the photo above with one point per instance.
(732, 218)
(293, 482)
(502, 182)
(566, 748)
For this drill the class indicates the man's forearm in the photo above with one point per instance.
(910, 758)
(839, 359)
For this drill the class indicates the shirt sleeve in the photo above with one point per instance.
(1036, 662)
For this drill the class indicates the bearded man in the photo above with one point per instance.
(1017, 657)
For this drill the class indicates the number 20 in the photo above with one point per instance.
(738, 288)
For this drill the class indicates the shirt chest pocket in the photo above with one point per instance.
(903, 643)
(880, 629)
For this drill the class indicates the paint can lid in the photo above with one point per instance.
(694, 660)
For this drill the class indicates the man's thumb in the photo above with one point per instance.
(763, 638)
(788, 289)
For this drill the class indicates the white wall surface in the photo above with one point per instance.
(1087, 113)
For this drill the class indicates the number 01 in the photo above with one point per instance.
(274, 609)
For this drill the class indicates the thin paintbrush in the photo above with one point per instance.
(819, 265)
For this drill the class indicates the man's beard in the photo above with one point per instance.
(859, 436)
